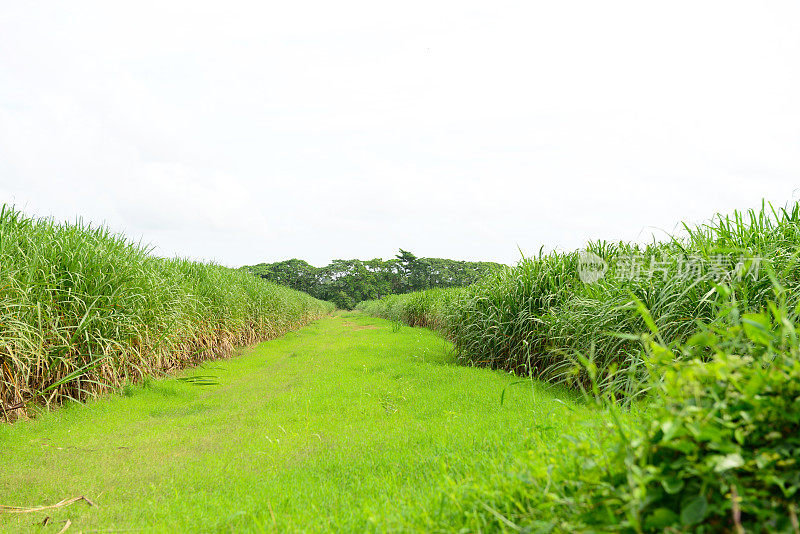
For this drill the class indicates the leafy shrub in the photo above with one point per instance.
(722, 449)
(719, 446)
(714, 446)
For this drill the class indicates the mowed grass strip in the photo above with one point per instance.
(349, 424)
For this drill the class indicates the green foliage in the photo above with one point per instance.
(713, 446)
(716, 375)
(535, 317)
(82, 309)
(348, 282)
(722, 449)
(428, 308)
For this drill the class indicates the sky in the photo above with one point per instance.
(248, 132)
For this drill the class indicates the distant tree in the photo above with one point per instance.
(348, 282)
(407, 260)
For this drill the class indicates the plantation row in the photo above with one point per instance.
(533, 318)
(707, 333)
(82, 310)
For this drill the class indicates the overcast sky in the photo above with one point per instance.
(249, 132)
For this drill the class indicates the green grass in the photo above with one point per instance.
(83, 309)
(349, 424)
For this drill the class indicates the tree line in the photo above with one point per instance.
(348, 282)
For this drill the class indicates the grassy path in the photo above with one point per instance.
(349, 424)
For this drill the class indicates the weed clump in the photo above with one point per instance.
(722, 448)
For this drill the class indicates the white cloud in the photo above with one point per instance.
(251, 131)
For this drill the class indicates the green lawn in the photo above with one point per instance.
(349, 424)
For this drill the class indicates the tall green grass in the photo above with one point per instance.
(713, 448)
(428, 308)
(536, 317)
(83, 309)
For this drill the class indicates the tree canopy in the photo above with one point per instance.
(348, 282)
